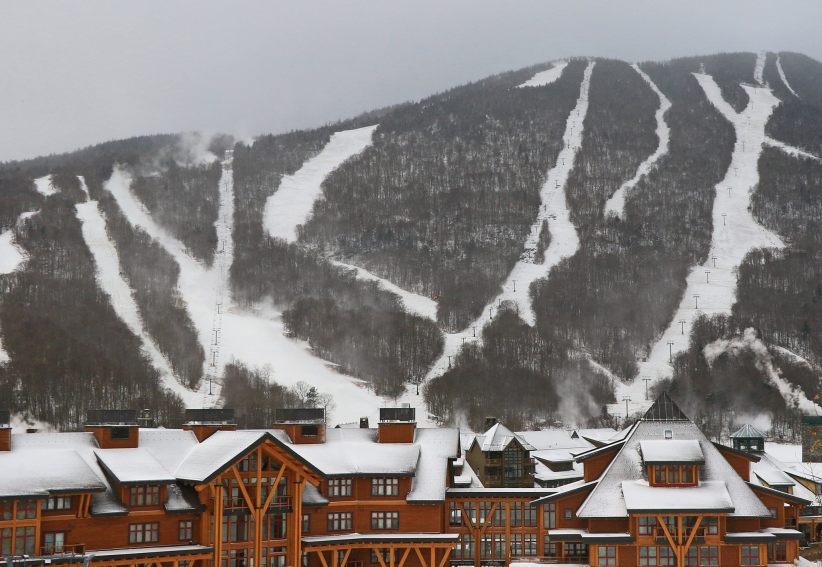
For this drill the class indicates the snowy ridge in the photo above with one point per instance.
(616, 204)
(711, 287)
(291, 205)
(45, 186)
(110, 279)
(255, 337)
(546, 77)
(413, 303)
(564, 240)
(782, 75)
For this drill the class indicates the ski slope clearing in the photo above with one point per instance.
(413, 303)
(616, 204)
(11, 257)
(564, 240)
(711, 287)
(546, 77)
(783, 77)
(44, 186)
(255, 337)
(791, 150)
(291, 205)
(759, 69)
(110, 279)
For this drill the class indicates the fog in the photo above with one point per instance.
(77, 73)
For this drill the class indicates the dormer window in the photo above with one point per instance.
(144, 496)
(672, 462)
(673, 475)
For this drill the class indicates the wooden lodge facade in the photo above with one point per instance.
(298, 494)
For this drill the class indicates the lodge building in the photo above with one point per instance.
(397, 495)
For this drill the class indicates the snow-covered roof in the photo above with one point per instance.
(498, 437)
(600, 434)
(607, 499)
(554, 439)
(40, 472)
(133, 466)
(168, 446)
(437, 446)
(543, 473)
(771, 472)
(661, 451)
(747, 431)
(711, 496)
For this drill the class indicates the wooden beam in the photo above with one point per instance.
(404, 557)
(445, 555)
(345, 557)
(322, 558)
(666, 532)
(377, 552)
(420, 556)
(248, 502)
(272, 490)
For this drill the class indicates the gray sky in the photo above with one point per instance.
(74, 73)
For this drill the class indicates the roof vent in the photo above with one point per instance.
(219, 416)
(363, 423)
(299, 415)
(111, 417)
(398, 414)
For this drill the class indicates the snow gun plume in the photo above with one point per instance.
(750, 343)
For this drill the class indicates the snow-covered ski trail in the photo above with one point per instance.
(790, 150)
(759, 69)
(291, 205)
(413, 303)
(529, 268)
(110, 279)
(12, 257)
(546, 77)
(44, 186)
(782, 75)
(711, 287)
(255, 337)
(616, 204)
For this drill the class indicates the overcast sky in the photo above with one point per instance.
(78, 72)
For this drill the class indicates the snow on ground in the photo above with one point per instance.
(711, 287)
(564, 243)
(790, 150)
(44, 186)
(546, 77)
(291, 205)
(413, 303)
(11, 257)
(759, 69)
(783, 77)
(616, 204)
(255, 336)
(21, 423)
(109, 276)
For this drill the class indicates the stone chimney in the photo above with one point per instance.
(113, 429)
(206, 422)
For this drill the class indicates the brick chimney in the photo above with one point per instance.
(305, 426)
(206, 422)
(5, 431)
(113, 429)
(397, 425)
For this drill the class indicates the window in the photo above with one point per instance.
(144, 533)
(669, 434)
(385, 486)
(306, 523)
(666, 556)
(24, 541)
(516, 546)
(646, 525)
(513, 462)
(58, 503)
(339, 521)
(529, 519)
(499, 516)
(53, 542)
(309, 430)
(750, 555)
(692, 556)
(777, 552)
(144, 495)
(454, 514)
(708, 555)
(386, 556)
(549, 549)
(606, 555)
(711, 525)
(185, 530)
(6, 509)
(339, 487)
(5, 542)
(119, 433)
(569, 514)
(678, 475)
(385, 520)
(772, 512)
(530, 545)
(467, 546)
(26, 509)
(549, 515)
(647, 555)
(576, 551)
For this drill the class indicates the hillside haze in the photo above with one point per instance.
(555, 244)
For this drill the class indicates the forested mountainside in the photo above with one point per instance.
(385, 269)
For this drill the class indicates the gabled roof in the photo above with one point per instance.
(747, 431)
(664, 409)
(498, 437)
(668, 451)
(133, 466)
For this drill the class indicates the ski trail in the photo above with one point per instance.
(759, 69)
(413, 303)
(564, 243)
(44, 186)
(782, 75)
(546, 77)
(791, 150)
(12, 257)
(616, 204)
(291, 205)
(712, 286)
(110, 279)
(255, 336)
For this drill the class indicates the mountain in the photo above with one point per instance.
(550, 244)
